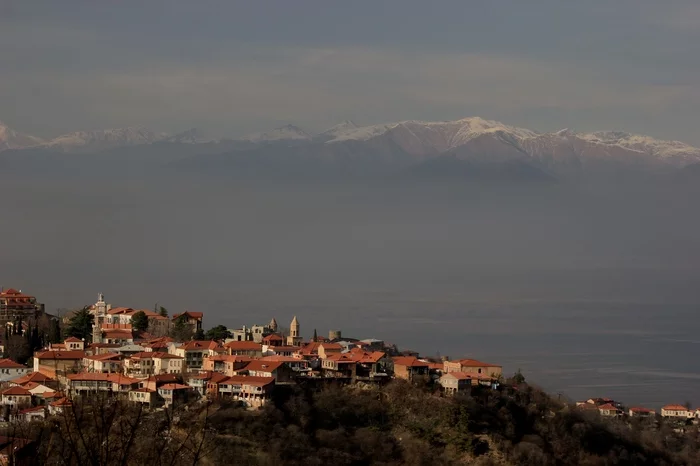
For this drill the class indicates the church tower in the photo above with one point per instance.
(294, 338)
(273, 325)
(101, 309)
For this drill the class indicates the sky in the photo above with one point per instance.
(232, 67)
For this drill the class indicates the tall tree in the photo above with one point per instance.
(139, 321)
(315, 339)
(181, 330)
(163, 311)
(80, 325)
(220, 332)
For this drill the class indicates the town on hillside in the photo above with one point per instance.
(161, 361)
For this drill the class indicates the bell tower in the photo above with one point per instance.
(294, 338)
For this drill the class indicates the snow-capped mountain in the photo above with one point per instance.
(190, 136)
(478, 139)
(105, 139)
(333, 132)
(283, 133)
(11, 139)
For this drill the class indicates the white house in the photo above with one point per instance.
(676, 411)
(11, 370)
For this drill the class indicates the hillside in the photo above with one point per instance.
(394, 425)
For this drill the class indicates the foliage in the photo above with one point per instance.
(139, 321)
(80, 325)
(198, 335)
(163, 311)
(181, 330)
(220, 332)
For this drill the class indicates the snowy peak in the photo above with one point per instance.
(283, 133)
(337, 130)
(190, 136)
(105, 139)
(11, 139)
(656, 147)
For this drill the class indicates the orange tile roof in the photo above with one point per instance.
(279, 358)
(174, 386)
(273, 336)
(675, 408)
(259, 365)
(230, 358)
(162, 378)
(16, 391)
(110, 377)
(310, 348)
(104, 357)
(32, 410)
(608, 407)
(10, 364)
(200, 344)
(243, 346)
(639, 409)
(62, 402)
(331, 346)
(72, 340)
(409, 361)
(60, 355)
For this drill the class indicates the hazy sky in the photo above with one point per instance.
(234, 67)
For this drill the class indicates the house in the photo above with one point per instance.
(118, 336)
(193, 319)
(74, 344)
(60, 406)
(226, 364)
(36, 388)
(408, 367)
(275, 369)
(146, 396)
(195, 351)
(295, 364)
(10, 369)
(101, 348)
(36, 413)
(370, 365)
(243, 348)
(54, 363)
(105, 363)
(128, 350)
(273, 339)
(609, 410)
(37, 377)
(675, 411)
(89, 383)
(149, 363)
(339, 365)
(474, 367)
(641, 412)
(199, 382)
(456, 382)
(16, 396)
(14, 304)
(252, 391)
(326, 349)
(155, 381)
(175, 393)
(279, 350)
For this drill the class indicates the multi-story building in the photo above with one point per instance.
(14, 305)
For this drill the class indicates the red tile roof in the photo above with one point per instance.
(331, 346)
(174, 386)
(16, 391)
(104, 357)
(200, 345)
(259, 365)
(675, 408)
(163, 378)
(62, 402)
(639, 409)
(409, 361)
(60, 355)
(32, 377)
(35, 409)
(72, 340)
(243, 346)
(273, 337)
(10, 364)
(608, 407)
(111, 377)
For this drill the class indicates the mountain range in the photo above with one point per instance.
(461, 148)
